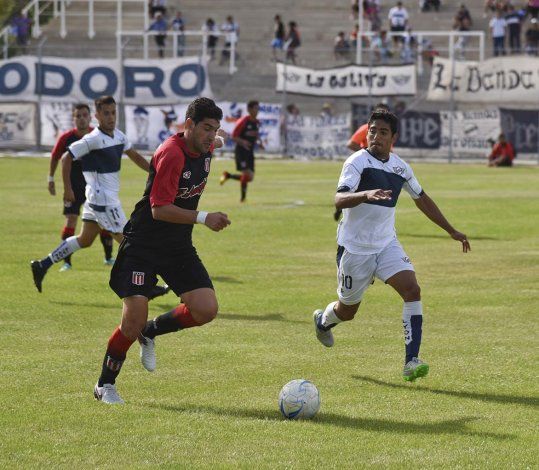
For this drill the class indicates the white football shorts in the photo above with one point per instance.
(356, 272)
(111, 218)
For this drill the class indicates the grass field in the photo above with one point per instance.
(213, 400)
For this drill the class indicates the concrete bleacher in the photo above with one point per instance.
(319, 22)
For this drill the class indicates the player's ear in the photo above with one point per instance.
(189, 124)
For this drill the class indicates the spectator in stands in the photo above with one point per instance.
(398, 21)
(428, 51)
(158, 6)
(160, 26)
(532, 37)
(409, 43)
(426, 5)
(232, 33)
(178, 25)
(381, 47)
(514, 18)
(533, 8)
(209, 27)
(497, 27)
(327, 111)
(463, 22)
(278, 36)
(292, 42)
(341, 47)
(21, 25)
(502, 153)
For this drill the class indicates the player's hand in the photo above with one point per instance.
(217, 221)
(378, 195)
(69, 195)
(52, 188)
(222, 133)
(460, 237)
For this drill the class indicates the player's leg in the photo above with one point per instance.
(107, 242)
(246, 177)
(199, 304)
(134, 316)
(89, 231)
(354, 275)
(68, 231)
(395, 269)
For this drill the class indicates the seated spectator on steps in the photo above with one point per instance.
(502, 153)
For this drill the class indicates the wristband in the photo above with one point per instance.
(50, 179)
(201, 217)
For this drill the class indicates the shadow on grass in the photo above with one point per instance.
(444, 236)
(510, 399)
(455, 426)
(228, 279)
(114, 305)
(266, 317)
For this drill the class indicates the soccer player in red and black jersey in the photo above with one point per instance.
(246, 134)
(157, 241)
(81, 119)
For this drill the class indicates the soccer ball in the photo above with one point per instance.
(299, 399)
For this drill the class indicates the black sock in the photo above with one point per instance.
(163, 324)
(243, 191)
(106, 241)
(110, 369)
(234, 176)
(412, 348)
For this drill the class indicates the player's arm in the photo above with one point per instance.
(52, 170)
(237, 132)
(67, 163)
(431, 210)
(353, 145)
(220, 139)
(345, 199)
(138, 159)
(216, 221)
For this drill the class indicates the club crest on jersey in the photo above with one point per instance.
(398, 170)
(137, 278)
(207, 165)
(186, 175)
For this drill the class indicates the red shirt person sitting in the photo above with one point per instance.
(502, 153)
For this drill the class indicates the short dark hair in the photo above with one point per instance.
(386, 116)
(104, 100)
(252, 104)
(203, 108)
(78, 106)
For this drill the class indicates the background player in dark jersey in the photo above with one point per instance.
(157, 241)
(81, 119)
(246, 134)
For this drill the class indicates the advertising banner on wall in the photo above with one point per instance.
(471, 130)
(419, 129)
(28, 78)
(497, 80)
(17, 125)
(350, 80)
(318, 137)
(56, 118)
(148, 126)
(521, 128)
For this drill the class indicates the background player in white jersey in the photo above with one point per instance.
(368, 189)
(100, 153)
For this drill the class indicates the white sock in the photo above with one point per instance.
(68, 246)
(329, 317)
(408, 310)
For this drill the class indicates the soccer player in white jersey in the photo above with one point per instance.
(368, 189)
(100, 153)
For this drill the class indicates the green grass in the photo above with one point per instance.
(213, 400)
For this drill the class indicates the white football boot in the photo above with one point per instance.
(325, 337)
(147, 353)
(107, 394)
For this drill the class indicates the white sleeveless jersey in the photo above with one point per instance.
(100, 156)
(370, 226)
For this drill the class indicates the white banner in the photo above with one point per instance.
(148, 126)
(350, 80)
(471, 129)
(17, 125)
(27, 78)
(56, 118)
(497, 80)
(318, 137)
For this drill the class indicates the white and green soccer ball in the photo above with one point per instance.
(299, 399)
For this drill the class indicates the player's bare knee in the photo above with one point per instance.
(205, 314)
(412, 293)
